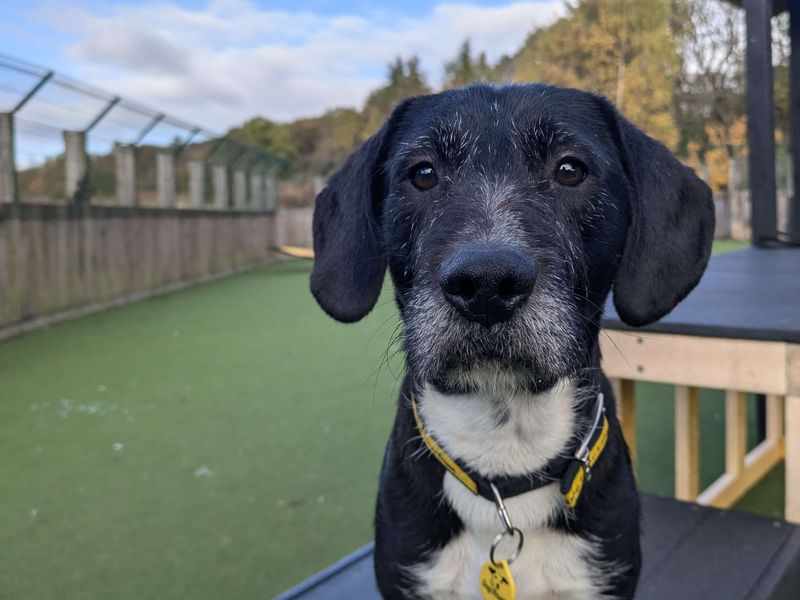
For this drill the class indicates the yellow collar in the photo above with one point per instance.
(573, 471)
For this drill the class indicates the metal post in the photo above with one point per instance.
(240, 189)
(794, 120)
(760, 122)
(197, 183)
(8, 172)
(125, 173)
(165, 180)
(102, 114)
(76, 163)
(33, 91)
(219, 178)
(148, 128)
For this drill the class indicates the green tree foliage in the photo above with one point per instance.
(322, 143)
(273, 137)
(465, 69)
(404, 79)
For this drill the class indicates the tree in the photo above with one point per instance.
(404, 79)
(273, 137)
(622, 49)
(465, 69)
(710, 89)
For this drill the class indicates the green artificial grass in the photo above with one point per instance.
(220, 442)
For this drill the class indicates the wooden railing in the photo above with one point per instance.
(736, 366)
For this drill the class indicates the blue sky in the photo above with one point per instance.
(220, 62)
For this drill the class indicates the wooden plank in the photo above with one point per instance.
(687, 443)
(793, 459)
(755, 366)
(625, 394)
(729, 488)
(53, 262)
(726, 556)
(774, 407)
(735, 432)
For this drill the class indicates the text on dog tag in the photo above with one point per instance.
(496, 581)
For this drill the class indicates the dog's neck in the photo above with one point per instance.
(504, 434)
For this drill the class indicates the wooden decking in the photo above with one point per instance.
(738, 331)
(690, 553)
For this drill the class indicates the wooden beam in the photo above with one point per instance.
(793, 458)
(687, 443)
(774, 417)
(735, 432)
(625, 392)
(728, 489)
(759, 367)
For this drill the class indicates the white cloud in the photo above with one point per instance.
(230, 60)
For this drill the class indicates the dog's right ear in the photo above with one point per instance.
(349, 260)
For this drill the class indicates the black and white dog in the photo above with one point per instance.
(506, 215)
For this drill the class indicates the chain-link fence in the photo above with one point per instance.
(64, 141)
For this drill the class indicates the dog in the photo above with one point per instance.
(506, 215)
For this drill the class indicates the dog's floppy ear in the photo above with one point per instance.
(349, 261)
(671, 228)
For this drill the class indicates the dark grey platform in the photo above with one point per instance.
(690, 553)
(749, 294)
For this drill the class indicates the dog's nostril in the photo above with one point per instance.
(463, 286)
(508, 286)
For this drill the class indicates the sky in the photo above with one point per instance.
(220, 62)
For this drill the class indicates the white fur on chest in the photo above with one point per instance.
(506, 437)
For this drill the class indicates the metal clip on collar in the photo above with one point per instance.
(508, 528)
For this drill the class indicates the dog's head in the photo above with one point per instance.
(505, 216)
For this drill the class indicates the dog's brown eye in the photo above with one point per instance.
(570, 172)
(423, 176)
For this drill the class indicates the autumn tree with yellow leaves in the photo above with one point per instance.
(624, 50)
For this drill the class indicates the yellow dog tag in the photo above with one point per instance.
(496, 581)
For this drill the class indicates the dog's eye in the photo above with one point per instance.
(570, 172)
(423, 176)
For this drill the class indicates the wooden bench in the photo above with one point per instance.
(690, 552)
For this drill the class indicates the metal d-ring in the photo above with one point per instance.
(497, 540)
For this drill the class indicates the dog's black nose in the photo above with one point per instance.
(487, 284)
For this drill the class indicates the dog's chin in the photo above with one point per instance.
(494, 378)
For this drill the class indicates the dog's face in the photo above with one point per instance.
(505, 215)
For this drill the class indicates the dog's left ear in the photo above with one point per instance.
(349, 260)
(671, 228)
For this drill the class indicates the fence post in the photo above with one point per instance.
(8, 173)
(197, 183)
(270, 192)
(76, 163)
(239, 189)
(256, 190)
(125, 173)
(219, 176)
(165, 179)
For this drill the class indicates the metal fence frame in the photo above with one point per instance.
(241, 177)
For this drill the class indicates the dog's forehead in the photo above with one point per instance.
(450, 122)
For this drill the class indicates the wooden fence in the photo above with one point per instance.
(61, 261)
